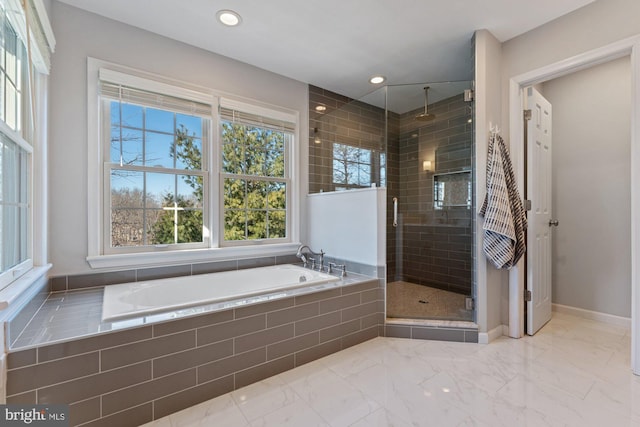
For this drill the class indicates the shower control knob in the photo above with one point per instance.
(553, 222)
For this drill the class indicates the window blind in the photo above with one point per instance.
(130, 95)
(243, 117)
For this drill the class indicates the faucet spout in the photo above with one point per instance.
(301, 254)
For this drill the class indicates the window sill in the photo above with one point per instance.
(150, 259)
(19, 287)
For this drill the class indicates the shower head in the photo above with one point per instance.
(425, 116)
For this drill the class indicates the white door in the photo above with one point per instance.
(540, 222)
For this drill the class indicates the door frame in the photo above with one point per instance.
(626, 47)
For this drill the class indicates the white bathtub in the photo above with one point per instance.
(154, 296)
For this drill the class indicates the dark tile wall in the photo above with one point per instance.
(436, 244)
(418, 332)
(344, 121)
(137, 375)
(429, 246)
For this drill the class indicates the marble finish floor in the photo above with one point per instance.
(574, 372)
(409, 300)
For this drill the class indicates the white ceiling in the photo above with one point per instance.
(339, 44)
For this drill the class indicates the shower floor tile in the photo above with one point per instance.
(408, 300)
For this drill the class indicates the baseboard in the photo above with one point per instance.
(495, 333)
(611, 319)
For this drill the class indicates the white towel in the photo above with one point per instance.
(505, 217)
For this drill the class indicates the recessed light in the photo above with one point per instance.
(376, 80)
(229, 17)
(321, 108)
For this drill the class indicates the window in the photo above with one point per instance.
(15, 157)
(355, 167)
(167, 182)
(255, 176)
(155, 184)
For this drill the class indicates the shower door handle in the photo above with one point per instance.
(395, 211)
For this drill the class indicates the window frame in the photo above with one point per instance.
(216, 248)
(286, 179)
(22, 137)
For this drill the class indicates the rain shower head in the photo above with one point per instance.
(425, 116)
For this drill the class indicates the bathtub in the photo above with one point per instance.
(136, 299)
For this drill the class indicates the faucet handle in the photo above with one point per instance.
(342, 267)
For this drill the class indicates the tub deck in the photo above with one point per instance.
(71, 315)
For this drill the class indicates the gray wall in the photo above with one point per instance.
(591, 189)
(80, 34)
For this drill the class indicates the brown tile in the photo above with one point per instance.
(44, 374)
(144, 274)
(316, 323)
(293, 345)
(214, 267)
(360, 287)
(339, 303)
(23, 398)
(174, 326)
(317, 352)
(131, 418)
(144, 350)
(57, 284)
(359, 337)
(95, 385)
(263, 308)
(230, 365)
(375, 319)
(70, 348)
(100, 279)
(287, 259)
(147, 392)
(359, 311)
(223, 331)
(266, 370)
(191, 358)
(371, 295)
(289, 315)
(82, 412)
(397, 331)
(318, 296)
(193, 396)
(263, 338)
(339, 331)
(438, 334)
(19, 359)
(256, 262)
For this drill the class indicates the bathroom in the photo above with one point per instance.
(350, 315)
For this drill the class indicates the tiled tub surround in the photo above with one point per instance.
(147, 370)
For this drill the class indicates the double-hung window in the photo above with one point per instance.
(255, 174)
(18, 102)
(155, 182)
(174, 168)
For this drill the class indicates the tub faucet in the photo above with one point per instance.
(300, 254)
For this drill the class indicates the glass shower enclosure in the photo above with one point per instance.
(417, 140)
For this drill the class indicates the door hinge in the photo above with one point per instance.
(527, 295)
(527, 114)
(468, 95)
(527, 205)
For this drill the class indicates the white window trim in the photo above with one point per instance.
(95, 256)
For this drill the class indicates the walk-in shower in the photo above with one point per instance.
(417, 140)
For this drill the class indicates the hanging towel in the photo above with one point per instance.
(505, 218)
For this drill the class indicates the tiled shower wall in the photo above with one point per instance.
(344, 121)
(352, 122)
(431, 247)
(436, 243)
(130, 377)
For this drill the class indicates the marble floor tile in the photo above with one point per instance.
(574, 372)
